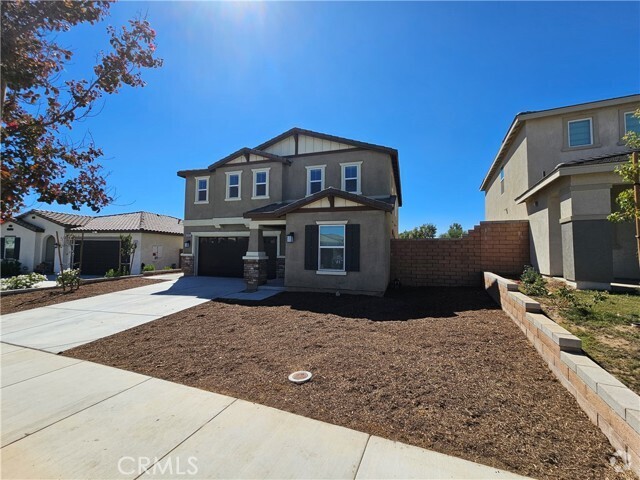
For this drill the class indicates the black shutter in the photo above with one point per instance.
(16, 251)
(352, 259)
(311, 247)
(2, 253)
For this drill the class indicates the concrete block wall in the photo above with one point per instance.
(502, 247)
(614, 408)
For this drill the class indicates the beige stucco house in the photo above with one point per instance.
(313, 209)
(555, 168)
(40, 239)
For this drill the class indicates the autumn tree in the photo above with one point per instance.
(428, 230)
(40, 106)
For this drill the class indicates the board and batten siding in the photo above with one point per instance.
(306, 144)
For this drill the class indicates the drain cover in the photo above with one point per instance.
(300, 376)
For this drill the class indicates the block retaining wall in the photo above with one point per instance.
(501, 247)
(614, 408)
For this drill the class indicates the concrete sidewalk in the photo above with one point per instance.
(65, 418)
(57, 328)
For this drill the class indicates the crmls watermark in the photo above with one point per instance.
(170, 466)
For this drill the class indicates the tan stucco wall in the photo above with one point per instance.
(171, 249)
(373, 277)
(501, 206)
(547, 138)
(287, 182)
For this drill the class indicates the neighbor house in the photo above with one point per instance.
(555, 168)
(40, 240)
(314, 209)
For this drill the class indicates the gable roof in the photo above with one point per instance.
(63, 219)
(260, 150)
(355, 143)
(134, 222)
(24, 224)
(248, 151)
(522, 117)
(279, 209)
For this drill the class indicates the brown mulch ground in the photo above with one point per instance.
(442, 369)
(27, 301)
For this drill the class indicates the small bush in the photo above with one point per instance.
(113, 273)
(22, 281)
(69, 278)
(533, 283)
(10, 268)
(149, 268)
(168, 268)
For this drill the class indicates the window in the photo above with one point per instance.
(631, 123)
(580, 132)
(351, 177)
(260, 183)
(315, 179)
(501, 180)
(11, 248)
(331, 247)
(234, 181)
(202, 190)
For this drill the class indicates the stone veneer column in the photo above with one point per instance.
(255, 272)
(280, 265)
(187, 263)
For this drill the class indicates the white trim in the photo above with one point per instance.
(255, 172)
(257, 223)
(255, 256)
(344, 250)
(197, 190)
(315, 167)
(359, 178)
(227, 198)
(332, 222)
(590, 132)
(216, 222)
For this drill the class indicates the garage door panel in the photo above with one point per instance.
(98, 256)
(222, 256)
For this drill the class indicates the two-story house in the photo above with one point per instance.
(555, 168)
(314, 209)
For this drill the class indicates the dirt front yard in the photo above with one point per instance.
(442, 369)
(27, 301)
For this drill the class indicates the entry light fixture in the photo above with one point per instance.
(290, 237)
(187, 244)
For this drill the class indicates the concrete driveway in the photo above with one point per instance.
(66, 418)
(57, 328)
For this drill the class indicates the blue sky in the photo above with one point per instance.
(441, 82)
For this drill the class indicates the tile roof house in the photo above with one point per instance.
(556, 169)
(90, 242)
(315, 210)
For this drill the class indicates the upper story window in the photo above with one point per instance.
(315, 179)
(202, 190)
(234, 182)
(580, 132)
(631, 123)
(260, 183)
(351, 173)
(501, 180)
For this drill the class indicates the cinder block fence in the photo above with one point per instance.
(501, 247)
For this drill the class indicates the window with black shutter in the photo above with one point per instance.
(352, 256)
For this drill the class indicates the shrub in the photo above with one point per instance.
(168, 268)
(113, 273)
(533, 283)
(69, 278)
(10, 268)
(149, 268)
(22, 281)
